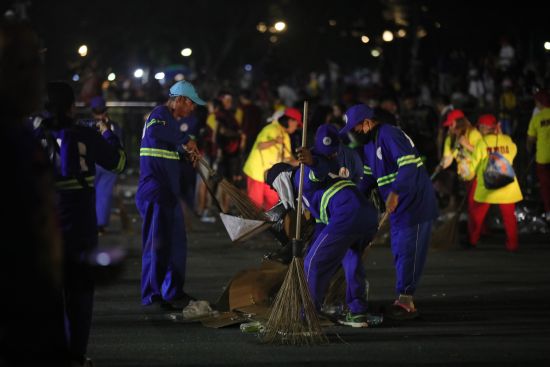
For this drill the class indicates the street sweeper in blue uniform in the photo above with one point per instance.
(74, 151)
(392, 163)
(345, 224)
(158, 199)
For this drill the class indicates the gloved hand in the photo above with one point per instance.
(283, 185)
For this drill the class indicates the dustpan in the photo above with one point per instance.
(241, 229)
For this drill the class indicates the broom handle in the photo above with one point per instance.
(301, 184)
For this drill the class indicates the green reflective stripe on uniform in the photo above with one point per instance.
(318, 220)
(121, 162)
(367, 170)
(74, 184)
(405, 157)
(312, 177)
(327, 195)
(419, 164)
(158, 153)
(155, 121)
(408, 159)
(384, 180)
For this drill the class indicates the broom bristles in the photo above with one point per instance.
(293, 318)
(242, 202)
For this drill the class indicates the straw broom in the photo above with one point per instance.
(293, 318)
(242, 202)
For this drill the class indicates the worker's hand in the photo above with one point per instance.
(391, 202)
(305, 156)
(191, 147)
(102, 126)
(446, 161)
(278, 140)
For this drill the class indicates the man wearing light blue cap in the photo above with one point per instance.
(392, 163)
(158, 199)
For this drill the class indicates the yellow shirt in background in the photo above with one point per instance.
(260, 161)
(459, 153)
(508, 194)
(539, 128)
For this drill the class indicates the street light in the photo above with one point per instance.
(111, 77)
(186, 52)
(387, 36)
(375, 52)
(547, 46)
(159, 75)
(401, 33)
(280, 26)
(365, 39)
(138, 73)
(83, 50)
(261, 27)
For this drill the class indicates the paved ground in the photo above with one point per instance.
(481, 307)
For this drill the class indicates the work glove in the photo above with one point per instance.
(283, 185)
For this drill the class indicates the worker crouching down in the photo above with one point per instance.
(346, 222)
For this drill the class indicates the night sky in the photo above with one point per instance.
(124, 34)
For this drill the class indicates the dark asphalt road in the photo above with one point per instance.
(481, 307)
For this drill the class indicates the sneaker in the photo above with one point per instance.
(207, 218)
(399, 312)
(354, 320)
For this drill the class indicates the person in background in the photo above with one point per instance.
(392, 163)
(229, 139)
(164, 250)
(74, 151)
(459, 145)
(538, 135)
(493, 141)
(105, 180)
(32, 321)
(271, 146)
(251, 119)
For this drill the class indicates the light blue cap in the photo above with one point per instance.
(185, 89)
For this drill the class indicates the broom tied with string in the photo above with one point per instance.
(293, 318)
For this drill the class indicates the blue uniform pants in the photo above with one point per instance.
(410, 247)
(164, 251)
(104, 183)
(351, 226)
(78, 221)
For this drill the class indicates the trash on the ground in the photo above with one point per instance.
(196, 309)
(334, 309)
(241, 229)
(223, 319)
(374, 319)
(252, 327)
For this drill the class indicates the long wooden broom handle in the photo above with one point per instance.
(301, 183)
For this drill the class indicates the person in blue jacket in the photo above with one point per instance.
(342, 162)
(74, 151)
(158, 199)
(105, 180)
(392, 163)
(346, 222)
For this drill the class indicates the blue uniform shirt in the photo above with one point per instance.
(159, 166)
(392, 162)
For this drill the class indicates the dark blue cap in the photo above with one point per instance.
(355, 115)
(326, 139)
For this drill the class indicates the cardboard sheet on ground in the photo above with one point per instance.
(241, 229)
